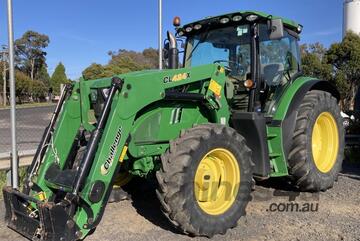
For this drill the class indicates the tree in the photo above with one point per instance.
(344, 58)
(123, 61)
(39, 90)
(314, 62)
(58, 78)
(30, 54)
(43, 76)
(152, 57)
(317, 49)
(22, 86)
(94, 71)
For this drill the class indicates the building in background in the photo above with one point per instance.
(351, 16)
(351, 22)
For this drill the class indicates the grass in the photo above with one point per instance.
(22, 174)
(28, 105)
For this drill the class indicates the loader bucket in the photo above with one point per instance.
(51, 222)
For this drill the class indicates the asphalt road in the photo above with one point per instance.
(31, 123)
(336, 218)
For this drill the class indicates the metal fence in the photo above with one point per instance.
(30, 124)
(32, 121)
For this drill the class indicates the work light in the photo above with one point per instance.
(197, 26)
(252, 17)
(224, 20)
(236, 18)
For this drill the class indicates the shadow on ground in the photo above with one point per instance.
(146, 204)
(351, 169)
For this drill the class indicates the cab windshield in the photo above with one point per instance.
(229, 46)
(278, 61)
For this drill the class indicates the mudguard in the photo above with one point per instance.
(287, 111)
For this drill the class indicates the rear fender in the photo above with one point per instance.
(287, 110)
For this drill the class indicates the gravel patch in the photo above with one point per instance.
(337, 216)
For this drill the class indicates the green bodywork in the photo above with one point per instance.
(143, 121)
(141, 112)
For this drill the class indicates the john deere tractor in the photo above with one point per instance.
(235, 109)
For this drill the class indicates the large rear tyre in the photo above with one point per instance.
(316, 156)
(205, 180)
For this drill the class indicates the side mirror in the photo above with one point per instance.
(276, 29)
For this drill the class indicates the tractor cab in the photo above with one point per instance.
(259, 52)
(261, 57)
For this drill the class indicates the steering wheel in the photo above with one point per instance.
(239, 68)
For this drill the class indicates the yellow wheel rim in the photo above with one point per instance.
(217, 180)
(122, 179)
(325, 142)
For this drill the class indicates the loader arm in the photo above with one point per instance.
(80, 195)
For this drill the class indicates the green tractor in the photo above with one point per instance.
(238, 110)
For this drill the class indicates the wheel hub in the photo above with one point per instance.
(325, 142)
(217, 181)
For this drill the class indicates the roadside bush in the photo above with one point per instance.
(22, 175)
(39, 90)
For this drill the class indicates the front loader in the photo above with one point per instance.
(238, 110)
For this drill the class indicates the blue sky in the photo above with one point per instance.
(83, 31)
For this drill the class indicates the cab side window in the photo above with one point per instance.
(279, 63)
(279, 59)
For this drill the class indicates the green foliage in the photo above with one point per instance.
(94, 71)
(23, 85)
(1, 74)
(345, 60)
(340, 64)
(43, 76)
(30, 54)
(22, 176)
(58, 78)
(39, 90)
(32, 78)
(123, 61)
(313, 63)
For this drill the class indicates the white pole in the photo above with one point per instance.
(14, 166)
(160, 36)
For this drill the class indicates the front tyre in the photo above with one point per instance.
(317, 151)
(205, 180)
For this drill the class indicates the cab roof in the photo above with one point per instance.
(241, 17)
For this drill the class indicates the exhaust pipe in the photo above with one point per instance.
(173, 51)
